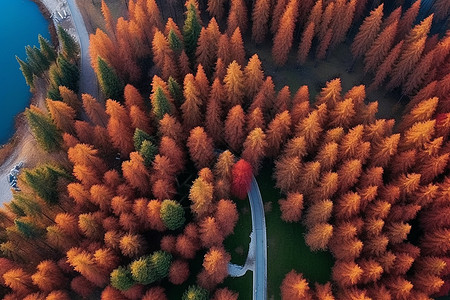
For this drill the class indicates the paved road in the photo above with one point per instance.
(88, 79)
(260, 236)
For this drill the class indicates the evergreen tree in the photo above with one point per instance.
(43, 180)
(160, 104)
(26, 71)
(139, 137)
(44, 130)
(195, 292)
(161, 263)
(143, 271)
(38, 62)
(191, 32)
(175, 91)
(27, 228)
(172, 214)
(121, 279)
(47, 49)
(110, 83)
(70, 47)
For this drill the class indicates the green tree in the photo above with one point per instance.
(191, 32)
(143, 271)
(44, 130)
(26, 71)
(69, 46)
(195, 292)
(160, 105)
(175, 91)
(110, 82)
(47, 49)
(148, 151)
(174, 42)
(172, 214)
(38, 62)
(139, 137)
(43, 180)
(27, 229)
(121, 278)
(161, 261)
(69, 73)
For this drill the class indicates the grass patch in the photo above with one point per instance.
(237, 243)
(242, 285)
(286, 246)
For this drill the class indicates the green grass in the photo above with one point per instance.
(237, 243)
(242, 285)
(286, 246)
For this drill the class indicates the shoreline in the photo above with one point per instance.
(20, 128)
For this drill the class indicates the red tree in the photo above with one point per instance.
(241, 178)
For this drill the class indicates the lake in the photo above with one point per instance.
(20, 24)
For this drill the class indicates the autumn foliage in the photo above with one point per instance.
(139, 187)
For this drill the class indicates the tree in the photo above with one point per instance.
(191, 31)
(287, 172)
(70, 47)
(119, 127)
(202, 83)
(282, 41)
(254, 76)
(318, 236)
(406, 63)
(305, 44)
(399, 287)
(213, 122)
(94, 110)
(200, 147)
(160, 104)
(423, 111)
(170, 127)
(327, 186)
(83, 262)
(18, 280)
(278, 10)
(132, 245)
(179, 272)
(260, 20)
(234, 128)
(43, 180)
(215, 263)
(201, 195)
(380, 47)
(255, 146)
(121, 279)
(291, 207)
(225, 294)
(62, 114)
(215, 8)
(110, 82)
(318, 212)
(368, 32)
(191, 108)
(386, 66)
(310, 128)
(172, 214)
(195, 292)
(237, 51)
(234, 84)
(44, 130)
(418, 134)
(346, 274)
(209, 232)
(155, 293)
(169, 148)
(48, 276)
(435, 242)
(294, 286)
(241, 178)
(226, 216)
(237, 17)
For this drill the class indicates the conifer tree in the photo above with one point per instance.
(282, 41)
(215, 263)
(254, 148)
(291, 207)
(226, 216)
(63, 115)
(213, 122)
(237, 17)
(260, 20)
(380, 47)
(237, 51)
(305, 44)
(27, 72)
(235, 128)
(368, 32)
(277, 132)
(191, 108)
(234, 84)
(278, 10)
(294, 286)
(326, 19)
(215, 8)
(191, 31)
(44, 130)
(254, 76)
(223, 51)
(109, 81)
(200, 147)
(195, 292)
(287, 171)
(407, 20)
(70, 47)
(119, 127)
(318, 212)
(318, 236)
(241, 173)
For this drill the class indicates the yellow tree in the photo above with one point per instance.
(234, 84)
(254, 149)
(201, 195)
(254, 76)
(62, 114)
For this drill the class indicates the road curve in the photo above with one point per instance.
(88, 79)
(260, 236)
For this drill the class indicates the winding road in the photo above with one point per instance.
(259, 237)
(88, 79)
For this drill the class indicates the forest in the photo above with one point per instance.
(150, 174)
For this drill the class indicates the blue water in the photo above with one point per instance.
(20, 24)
